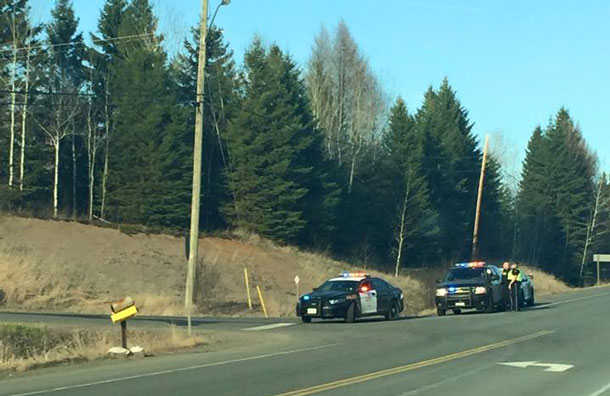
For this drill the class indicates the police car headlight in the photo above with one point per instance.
(480, 290)
(336, 301)
(441, 292)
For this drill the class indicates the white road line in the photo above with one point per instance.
(269, 326)
(600, 390)
(571, 300)
(171, 371)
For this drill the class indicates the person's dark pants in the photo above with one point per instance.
(514, 296)
(506, 296)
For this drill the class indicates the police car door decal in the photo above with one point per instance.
(368, 301)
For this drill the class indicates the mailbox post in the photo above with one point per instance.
(121, 311)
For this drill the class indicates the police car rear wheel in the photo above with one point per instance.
(531, 300)
(441, 312)
(350, 315)
(306, 319)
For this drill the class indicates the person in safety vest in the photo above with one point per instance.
(514, 277)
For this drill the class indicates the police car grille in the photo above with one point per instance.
(461, 293)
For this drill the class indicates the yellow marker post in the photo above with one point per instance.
(260, 296)
(248, 288)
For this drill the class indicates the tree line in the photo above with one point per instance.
(102, 129)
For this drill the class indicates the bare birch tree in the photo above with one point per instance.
(594, 231)
(347, 99)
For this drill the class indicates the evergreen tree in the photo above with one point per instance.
(452, 163)
(148, 182)
(219, 108)
(555, 198)
(62, 81)
(101, 80)
(404, 151)
(273, 148)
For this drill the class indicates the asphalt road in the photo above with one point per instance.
(559, 347)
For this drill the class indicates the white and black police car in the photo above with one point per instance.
(350, 296)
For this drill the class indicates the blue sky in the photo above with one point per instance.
(513, 63)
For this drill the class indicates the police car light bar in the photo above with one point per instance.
(474, 264)
(347, 274)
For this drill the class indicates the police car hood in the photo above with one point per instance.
(463, 283)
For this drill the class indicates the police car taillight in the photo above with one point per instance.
(364, 288)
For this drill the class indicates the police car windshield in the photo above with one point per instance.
(465, 274)
(339, 285)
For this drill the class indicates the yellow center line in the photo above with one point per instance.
(411, 366)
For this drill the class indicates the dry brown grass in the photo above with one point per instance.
(63, 266)
(23, 347)
(545, 284)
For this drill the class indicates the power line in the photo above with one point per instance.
(94, 41)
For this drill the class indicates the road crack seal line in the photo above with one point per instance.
(412, 366)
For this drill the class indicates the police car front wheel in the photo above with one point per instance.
(350, 315)
(392, 312)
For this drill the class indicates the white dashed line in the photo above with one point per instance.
(269, 326)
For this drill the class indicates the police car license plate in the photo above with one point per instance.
(312, 311)
(460, 304)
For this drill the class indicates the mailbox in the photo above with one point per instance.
(123, 309)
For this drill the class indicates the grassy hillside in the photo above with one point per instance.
(67, 266)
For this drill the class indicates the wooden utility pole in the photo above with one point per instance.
(475, 234)
(197, 153)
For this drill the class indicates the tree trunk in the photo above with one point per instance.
(401, 233)
(24, 116)
(56, 176)
(105, 174)
(91, 158)
(12, 126)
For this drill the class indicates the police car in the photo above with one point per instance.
(470, 285)
(350, 296)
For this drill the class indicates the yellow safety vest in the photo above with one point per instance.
(515, 277)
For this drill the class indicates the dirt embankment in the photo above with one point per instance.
(67, 266)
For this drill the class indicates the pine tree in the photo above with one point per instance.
(148, 182)
(404, 151)
(452, 162)
(555, 198)
(102, 82)
(219, 107)
(273, 148)
(62, 81)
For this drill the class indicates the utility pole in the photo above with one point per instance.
(197, 153)
(475, 234)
